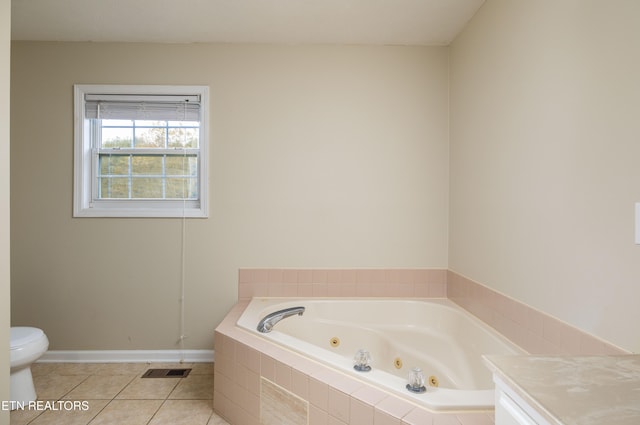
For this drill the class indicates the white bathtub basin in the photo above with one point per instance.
(445, 341)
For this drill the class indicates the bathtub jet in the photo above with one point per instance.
(269, 321)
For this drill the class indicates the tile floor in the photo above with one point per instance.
(115, 393)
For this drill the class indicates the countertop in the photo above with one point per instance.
(580, 390)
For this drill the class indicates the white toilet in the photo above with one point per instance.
(27, 346)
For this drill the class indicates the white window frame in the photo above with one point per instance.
(85, 203)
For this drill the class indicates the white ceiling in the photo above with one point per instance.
(395, 22)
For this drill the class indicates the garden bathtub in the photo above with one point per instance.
(436, 335)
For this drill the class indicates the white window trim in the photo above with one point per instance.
(83, 205)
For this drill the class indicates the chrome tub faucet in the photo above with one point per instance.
(268, 322)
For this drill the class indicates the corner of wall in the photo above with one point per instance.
(5, 324)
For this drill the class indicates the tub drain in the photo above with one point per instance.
(334, 342)
(397, 363)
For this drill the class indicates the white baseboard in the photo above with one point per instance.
(127, 356)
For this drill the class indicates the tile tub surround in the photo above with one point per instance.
(245, 361)
(534, 331)
(421, 283)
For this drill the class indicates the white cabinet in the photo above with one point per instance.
(511, 409)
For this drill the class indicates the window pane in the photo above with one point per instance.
(146, 165)
(181, 165)
(181, 188)
(183, 137)
(114, 165)
(155, 137)
(150, 176)
(144, 187)
(114, 188)
(116, 137)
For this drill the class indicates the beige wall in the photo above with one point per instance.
(320, 157)
(545, 100)
(5, 37)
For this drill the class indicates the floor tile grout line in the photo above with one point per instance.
(173, 389)
(101, 410)
(76, 386)
(156, 412)
(123, 388)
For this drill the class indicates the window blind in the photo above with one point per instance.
(143, 107)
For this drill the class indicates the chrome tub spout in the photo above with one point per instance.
(268, 322)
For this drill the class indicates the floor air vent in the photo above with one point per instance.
(166, 373)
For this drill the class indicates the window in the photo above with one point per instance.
(140, 151)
